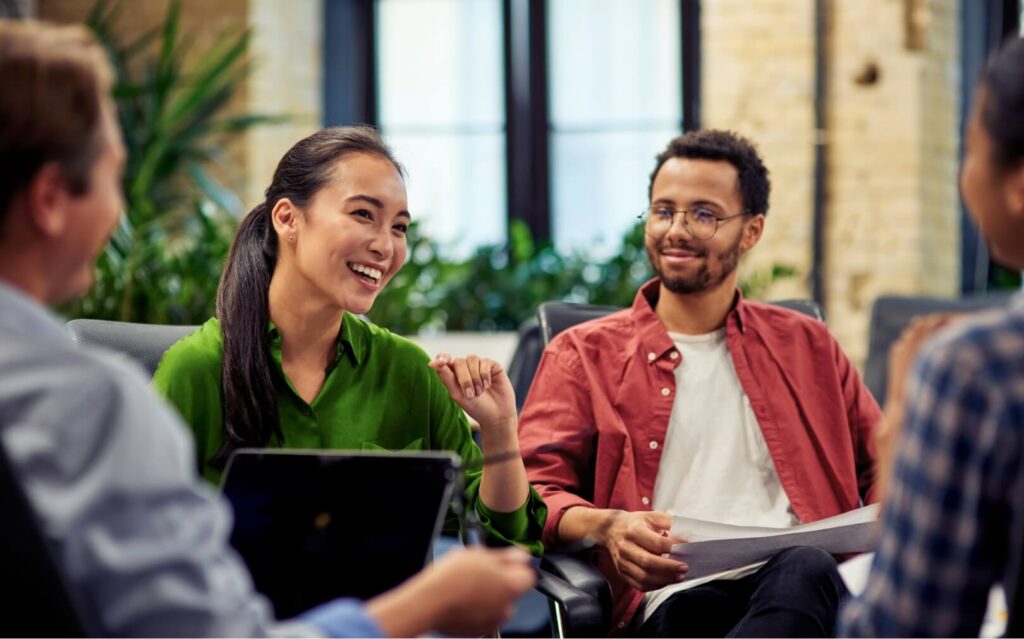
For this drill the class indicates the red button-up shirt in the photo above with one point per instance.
(596, 416)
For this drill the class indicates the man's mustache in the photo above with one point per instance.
(699, 251)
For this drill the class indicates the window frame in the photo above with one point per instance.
(351, 91)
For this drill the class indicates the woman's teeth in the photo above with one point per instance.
(372, 273)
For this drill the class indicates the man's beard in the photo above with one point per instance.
(703, 279)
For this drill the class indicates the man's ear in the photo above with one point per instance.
(46, 200)
(1015, 191)
(752, 231)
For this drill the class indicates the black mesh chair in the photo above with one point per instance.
(36, 601)
(891, 314)
(525, 359)
(578, 568)
(144, 343)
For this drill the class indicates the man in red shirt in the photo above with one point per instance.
(757, 414)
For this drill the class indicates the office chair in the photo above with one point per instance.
(143, 343)
(578, 569)
(891, 314)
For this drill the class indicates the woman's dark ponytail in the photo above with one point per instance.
(250, 412)
(250, 409)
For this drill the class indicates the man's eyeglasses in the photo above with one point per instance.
(699, 222)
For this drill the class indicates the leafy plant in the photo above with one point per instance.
(164, 259)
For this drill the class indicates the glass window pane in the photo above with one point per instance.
(456, 186)
(440, 79)
(616, 100)
(601, 183)
(614, 62)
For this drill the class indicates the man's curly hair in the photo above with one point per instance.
(713, 144)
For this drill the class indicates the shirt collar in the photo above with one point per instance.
(652, 332)
(351, 340)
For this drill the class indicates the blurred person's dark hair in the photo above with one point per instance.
(712, 144)
(1002, 106)
(250, 407)
(55, 81)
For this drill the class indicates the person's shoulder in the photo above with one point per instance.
(201, 351)
(980, 346)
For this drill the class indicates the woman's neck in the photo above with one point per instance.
(308, 325)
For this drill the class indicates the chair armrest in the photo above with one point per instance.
(576, 613)
(581, 574)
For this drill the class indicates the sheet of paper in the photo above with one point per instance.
(855, 572)
(712, 547)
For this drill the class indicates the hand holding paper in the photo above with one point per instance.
(713, 547)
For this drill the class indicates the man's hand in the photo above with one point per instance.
(636, 542)
(468, 592)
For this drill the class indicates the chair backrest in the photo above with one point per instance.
(525, 359)
(555, 317)
(36, 601)
(144, 343)
(891, 314)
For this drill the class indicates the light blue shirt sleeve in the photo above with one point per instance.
(342, 618)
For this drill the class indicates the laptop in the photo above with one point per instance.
(316, 525)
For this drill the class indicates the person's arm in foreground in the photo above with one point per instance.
(943, 531)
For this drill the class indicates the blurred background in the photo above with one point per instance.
(529, 129)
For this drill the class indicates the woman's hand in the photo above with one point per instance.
(481, 388)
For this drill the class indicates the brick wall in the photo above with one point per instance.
(892, 110)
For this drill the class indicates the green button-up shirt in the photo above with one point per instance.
(378, 393)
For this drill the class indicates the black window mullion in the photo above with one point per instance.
(350, 62)
(689, 12)
(527, 115)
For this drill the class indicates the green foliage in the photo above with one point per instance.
(499, 287)
(164, 259)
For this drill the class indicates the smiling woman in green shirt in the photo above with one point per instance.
(287, 362)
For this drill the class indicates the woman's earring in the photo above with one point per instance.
(291, 237)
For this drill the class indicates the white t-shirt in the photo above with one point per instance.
(715, 465)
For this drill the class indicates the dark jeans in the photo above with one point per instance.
(795, 594)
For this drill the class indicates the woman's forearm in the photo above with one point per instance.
(504, 487)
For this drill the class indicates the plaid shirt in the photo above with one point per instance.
(955, 514)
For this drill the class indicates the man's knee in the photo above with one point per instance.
(805, 565)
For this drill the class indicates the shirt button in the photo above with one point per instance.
(674, 355)
(654, 445)
(307, 411)
(646, 502)
(666, 391)
(651, 357)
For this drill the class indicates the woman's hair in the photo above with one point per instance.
(55, 81)
(1002, 105)
(250, 416)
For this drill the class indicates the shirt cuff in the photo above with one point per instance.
(342, 618)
